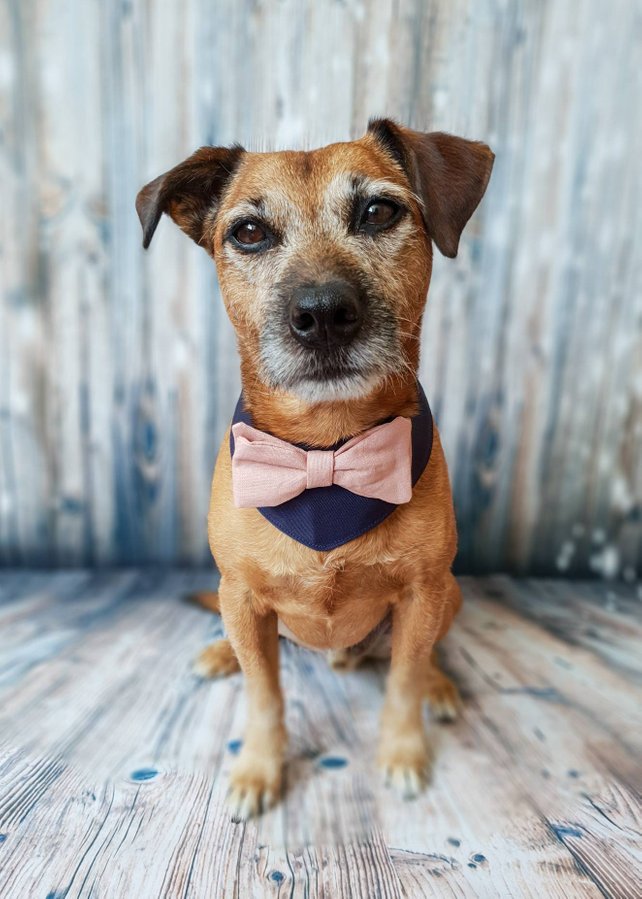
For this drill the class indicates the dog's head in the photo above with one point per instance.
(324, 257)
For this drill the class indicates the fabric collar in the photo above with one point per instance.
(327, 517)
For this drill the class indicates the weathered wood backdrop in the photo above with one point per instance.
(118, 369)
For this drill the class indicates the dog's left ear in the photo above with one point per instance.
(450, 175)
(189, 192)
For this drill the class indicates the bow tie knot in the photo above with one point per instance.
(267, 471)
(320, 468)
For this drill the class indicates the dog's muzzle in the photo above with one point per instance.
(325, 316)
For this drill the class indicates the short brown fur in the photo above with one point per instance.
(331, 600)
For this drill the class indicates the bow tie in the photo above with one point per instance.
(267, 471)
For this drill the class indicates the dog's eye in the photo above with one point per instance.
(379, 214)
(249, 234)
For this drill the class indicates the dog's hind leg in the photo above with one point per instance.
(206, 598)
(344, 660)
(217, 660)
(439, 690)
(376, 645)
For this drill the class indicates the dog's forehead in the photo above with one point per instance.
(308, 177)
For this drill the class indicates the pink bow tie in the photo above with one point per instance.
(267, 471)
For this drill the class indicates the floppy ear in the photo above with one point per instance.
(188, 192)
(450, 175)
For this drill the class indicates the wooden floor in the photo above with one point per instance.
(114, 756)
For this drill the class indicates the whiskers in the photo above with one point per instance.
(375, 357)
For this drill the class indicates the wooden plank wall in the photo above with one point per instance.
(118, 370)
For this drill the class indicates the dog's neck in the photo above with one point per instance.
(325, 424)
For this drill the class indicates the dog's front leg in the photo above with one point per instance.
(403, 749)
(255, 780)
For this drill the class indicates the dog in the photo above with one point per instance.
(324, 260)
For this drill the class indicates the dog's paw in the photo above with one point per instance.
(255, 785)
(444, 699)
(217, 660)
(343, 660)
(208, 599)
(405, 766)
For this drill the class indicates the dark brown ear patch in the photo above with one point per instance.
(389, 138)
(188, 192)
(450, 175)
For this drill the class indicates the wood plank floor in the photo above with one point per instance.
(114, 756)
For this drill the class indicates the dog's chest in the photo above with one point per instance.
(331, 605)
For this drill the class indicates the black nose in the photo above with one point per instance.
(325, 315)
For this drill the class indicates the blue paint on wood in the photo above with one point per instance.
(566, 830)
(71, 505)
(549, 693)
(333, 762)
(563, 663)
(143, 774)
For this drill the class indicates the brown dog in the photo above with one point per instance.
(360, 217)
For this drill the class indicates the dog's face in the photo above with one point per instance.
(323, 262)
(324, 257)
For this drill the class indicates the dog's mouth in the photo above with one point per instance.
(330, 377)
(327, 383)
(325, 373)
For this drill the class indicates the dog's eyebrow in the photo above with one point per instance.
(258, 203)
(356, 189)
(364, 185)
(248, 206)
(252, 205)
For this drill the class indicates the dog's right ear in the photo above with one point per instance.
(189, 192)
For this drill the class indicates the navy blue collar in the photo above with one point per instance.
(326, 517)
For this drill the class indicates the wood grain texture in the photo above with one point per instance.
(114, 757)
(118, 371)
